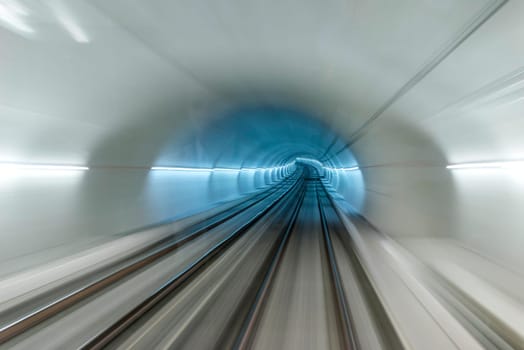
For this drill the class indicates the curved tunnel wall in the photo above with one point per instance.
(409, 92)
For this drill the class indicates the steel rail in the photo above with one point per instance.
(26, 322)
(389, 332)
(344, 319)
(100, 340)
(248, 328)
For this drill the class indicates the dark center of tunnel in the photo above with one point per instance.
(253, 137)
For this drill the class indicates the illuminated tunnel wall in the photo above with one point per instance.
(401, 90)
(231, 155)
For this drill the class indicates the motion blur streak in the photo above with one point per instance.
(44, 167)
(262, 174)
(12, 16)
(503, 165)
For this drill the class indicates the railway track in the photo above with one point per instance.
(263, 274)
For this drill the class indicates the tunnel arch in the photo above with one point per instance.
(423, 85)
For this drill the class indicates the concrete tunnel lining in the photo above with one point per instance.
(401, 91)
(83, 134)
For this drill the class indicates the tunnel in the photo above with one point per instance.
(334, 174)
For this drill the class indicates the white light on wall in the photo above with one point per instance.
(16, 7)
(76, 32)
(37, 167)
(230, 170)
(12, 173)
(488, 165)
(168, 168)
(68, 22)
(12, 13)
(353, 168)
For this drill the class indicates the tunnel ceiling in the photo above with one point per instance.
(255, 136)
(104, 76)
